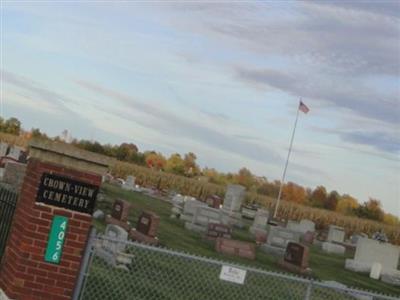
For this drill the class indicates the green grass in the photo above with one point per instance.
(173, 235)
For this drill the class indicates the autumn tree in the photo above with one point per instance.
(371, 209)
(245, 177)
(155, 160)
(294, 193)
(332, 200)
(318, 196)
(191, 167)
(391, 219)
(346, 205)
(175, 164)
(11, 126)
(269, 188)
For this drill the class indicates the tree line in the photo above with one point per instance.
(186, 165)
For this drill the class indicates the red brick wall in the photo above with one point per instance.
(24, 274)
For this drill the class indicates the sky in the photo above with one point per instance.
(220, 79)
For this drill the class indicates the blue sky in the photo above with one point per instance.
(222, 80)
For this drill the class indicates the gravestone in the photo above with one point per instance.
(15, 152)
(354, 238)
(303, 226)
(232, 204)
(111, 248)
(308, 238)
(370, 251)
(146, 228)
(216, 230)
(278, 238)
(203, 216)
(236, 248)
(129, 183)
(98, 214)
(119, 214)
(148, 223)
(391, 277)
(51, 222)
(214, 201)
(295, 258)
(329, 247)
(177, 206)
(249, 212)
(14, 174)
(335, 234)
(190, 207)
(117, 233)
(3, 149)
(234, 197)
(260, 222)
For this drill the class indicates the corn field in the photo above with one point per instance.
(13, 139)
(201, 189)
(287, 210)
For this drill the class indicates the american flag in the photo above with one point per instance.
(303, 107)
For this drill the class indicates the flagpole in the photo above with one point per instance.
(286, 164)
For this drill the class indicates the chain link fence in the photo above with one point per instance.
(145, 272)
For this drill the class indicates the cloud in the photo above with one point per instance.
(26, 92)
(384, 8)
(338, 38)
(360, 100)
(381, 140)
(177, 126)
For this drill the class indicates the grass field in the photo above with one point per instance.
(173, 235)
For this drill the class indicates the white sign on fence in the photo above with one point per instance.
(232, 274)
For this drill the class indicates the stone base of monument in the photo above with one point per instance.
(358, 266)
(329, 247)
(186, 217)
(308, 238)
(249, 212)
(231, 218)
(273, 250)
(142, 238)
(115, 259)
(261, 236)
(215, 231)
(124, 225)
(295, 269)
(391, 277)
(195, 227)
(257, 230)
(236, 248)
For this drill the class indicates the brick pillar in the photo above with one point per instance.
(24, 273)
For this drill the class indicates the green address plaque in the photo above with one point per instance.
(56, 240)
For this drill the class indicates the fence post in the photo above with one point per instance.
(308, 292)
(85, 264)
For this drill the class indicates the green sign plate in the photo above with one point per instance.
(56, 240)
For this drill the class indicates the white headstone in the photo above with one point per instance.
(375, 271)
(190, 206)
(115, 238)
(98, 214)
(234, 197)
(129, 183)
(280, 237)
(3, 149)
(15, 152)
(329, 247)
(205, 215)
(370, 251)
(336, 234)
(260, 221)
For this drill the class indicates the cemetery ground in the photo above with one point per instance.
(174, 236)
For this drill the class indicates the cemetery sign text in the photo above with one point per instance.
(67, 193)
